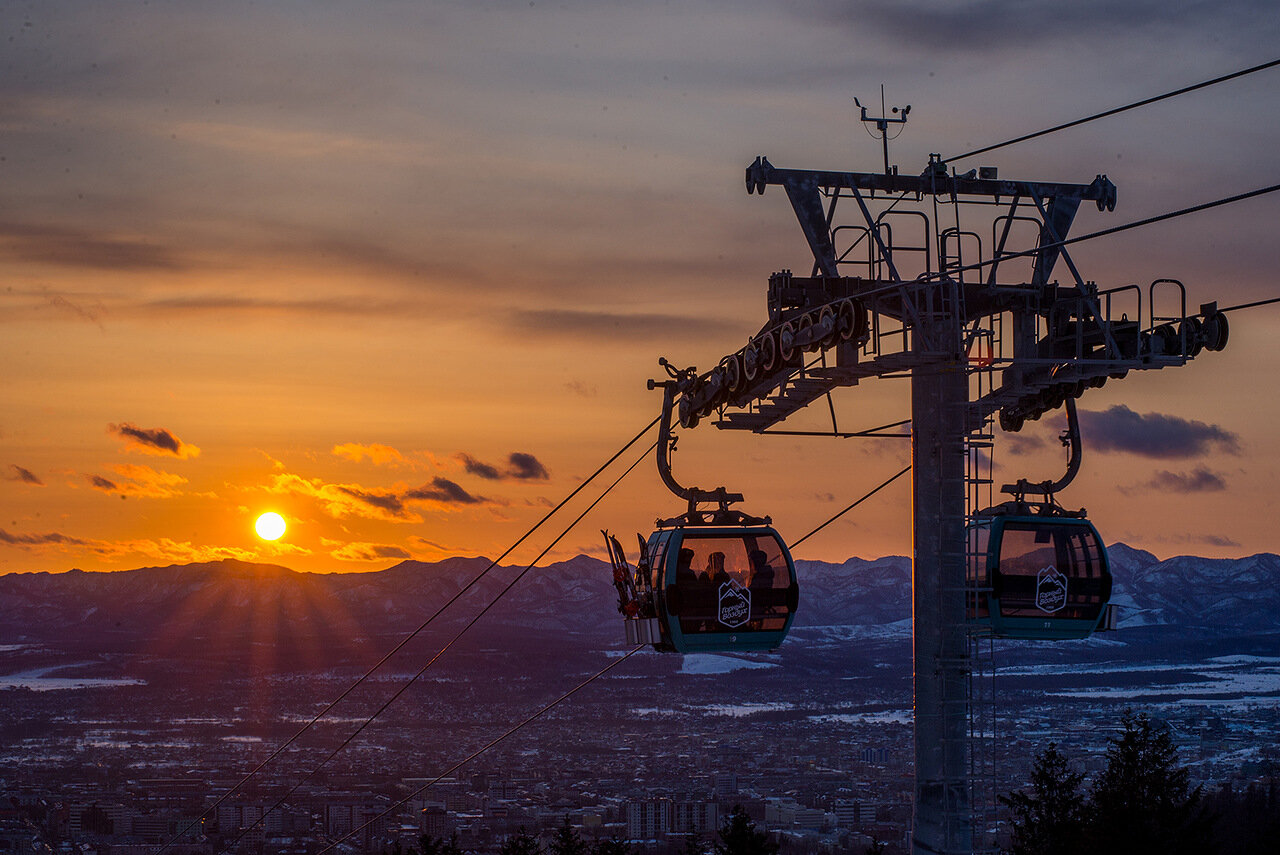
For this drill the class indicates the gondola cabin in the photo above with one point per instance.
(1037, 576)
(721, 588)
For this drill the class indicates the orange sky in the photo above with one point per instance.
(345, 266)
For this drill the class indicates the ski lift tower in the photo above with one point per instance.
(948, 279)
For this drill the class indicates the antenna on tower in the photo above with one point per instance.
(883, 122)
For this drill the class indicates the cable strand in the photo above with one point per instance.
(370, 672)
(405, 686)
(1113, 111)
(851, 507)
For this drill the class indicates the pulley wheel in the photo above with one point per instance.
(1190, 332)
(1216, 331)
(732, 367)
(749, 356)
(787, 342)
(1009, 423)
(827, 320)
(768, 346)
(852, 320)
(688, 417)
(804, 331)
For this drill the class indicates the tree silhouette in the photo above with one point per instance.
(693, 844)
(429, 845)
(567, 841)
(613, 846)
(521, 843)
(738, 836)
(1050, 819)
(1140, 804)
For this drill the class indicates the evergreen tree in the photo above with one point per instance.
(521, 843)
(614, 846)
(567, 841)
(1050, 819)
(428, 845)
(693, 844)
(1141, 803)
(738, 836)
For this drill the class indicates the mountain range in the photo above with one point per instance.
(198, 607)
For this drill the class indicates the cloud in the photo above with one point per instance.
(479, 469)
(526, 467)
(163, 549)
(1182, 538)
(389, 502)
(140, 481)
(389, 505)
(421, 544)
(153, 441)
(521, 466)
(100, 483)
(1153, 434)
(26, 476)
(1022, 442)
(71, 247)
(345, 500)
(446, 492)
(25, 540)
(1200, 480)
(368, 552)
(378, 454)
(615, 326)
(967, 26)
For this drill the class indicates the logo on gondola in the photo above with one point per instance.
(1051, 590)
(735, 604)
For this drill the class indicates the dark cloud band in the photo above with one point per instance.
(1153, 434)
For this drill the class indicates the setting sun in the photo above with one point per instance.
(270, 526)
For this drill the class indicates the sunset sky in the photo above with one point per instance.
(399, 270)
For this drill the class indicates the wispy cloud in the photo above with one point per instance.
(52, 537)
(140, 481)
(67, 246)
(389, 504)
(377, 453)
(619, 326)
(26, 476)
(1153, 434)
(520, 466)
(367, 551)
(445, 492)
(1200, 480)
(153, 441)
(345, 500)
(162, 549)
(103, 484)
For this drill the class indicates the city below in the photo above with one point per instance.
(137, 705)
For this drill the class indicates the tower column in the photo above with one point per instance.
(941, 823)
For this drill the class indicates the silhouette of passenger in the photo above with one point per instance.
(716, 574)
(761, 571)
(684, 569)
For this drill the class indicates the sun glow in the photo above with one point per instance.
(270, 526)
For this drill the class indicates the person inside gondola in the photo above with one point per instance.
(761, 570)
(716, 575)
(685, 577)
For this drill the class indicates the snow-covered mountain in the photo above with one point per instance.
(228, 602)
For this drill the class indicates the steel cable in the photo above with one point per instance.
(1116, 110)
(405, 686)
(370, 672)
